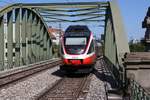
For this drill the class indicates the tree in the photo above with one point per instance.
(136, 46)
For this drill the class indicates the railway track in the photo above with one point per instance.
(20, 73)
(68, 88)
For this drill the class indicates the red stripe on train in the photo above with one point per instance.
(86, 61)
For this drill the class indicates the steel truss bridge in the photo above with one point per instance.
(24, 36)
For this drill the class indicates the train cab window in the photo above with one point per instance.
(91, 48)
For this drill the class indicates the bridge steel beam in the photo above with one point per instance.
(41, 42)
(10, 39)
(69, 10)
(45, 44)
(34, 28)
(50, 49)
(38, 40)
(17, 36)
(82, 9)
(67, 5)
(2, 43)
(29, 34)
(22, 34)
(116, 44)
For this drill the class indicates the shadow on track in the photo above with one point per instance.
(105, 76)
(61, 73)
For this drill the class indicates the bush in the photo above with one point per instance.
(136, 47)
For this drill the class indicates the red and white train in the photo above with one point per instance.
(78, 49)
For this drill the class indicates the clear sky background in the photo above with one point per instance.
(132, 11)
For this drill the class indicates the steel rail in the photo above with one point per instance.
(78, 87)
(15, 74)
(82, 86)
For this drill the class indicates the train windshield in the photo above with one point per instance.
(75, 45)
(75, 41)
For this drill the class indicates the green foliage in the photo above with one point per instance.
(55, 50)
(136, 47)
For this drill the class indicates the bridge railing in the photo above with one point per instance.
(138, 92)
(137, 75)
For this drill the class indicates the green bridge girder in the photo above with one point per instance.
(24, 37)
(116, 43)
(32, 43)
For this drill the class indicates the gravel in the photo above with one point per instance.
(97, 90)
(31, 87)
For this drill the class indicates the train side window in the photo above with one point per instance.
(91, 48)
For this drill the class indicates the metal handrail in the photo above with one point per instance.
(138, 92)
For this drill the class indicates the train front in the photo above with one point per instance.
(78, 50)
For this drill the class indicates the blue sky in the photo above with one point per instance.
(132, 11)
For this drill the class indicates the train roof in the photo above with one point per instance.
(77, 30)
(80, 28)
